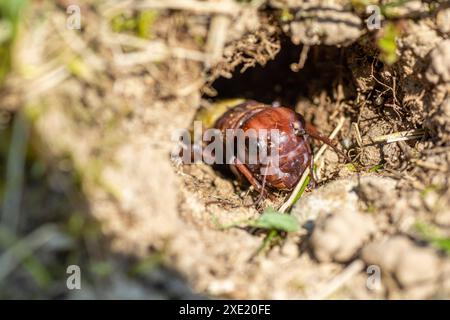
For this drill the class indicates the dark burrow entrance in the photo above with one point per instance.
(276, 82)
(324, 79)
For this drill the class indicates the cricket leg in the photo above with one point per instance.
(248, 175)
(311, 162)
(315, 134)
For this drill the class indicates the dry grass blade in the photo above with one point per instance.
(208, 7)
(299, 185)
(217, 37)
(46, 82)
(429, 165)
(329, 288)
(400, 136)
(357, 134)
(25, 248)
(157, 52)
(150, 51)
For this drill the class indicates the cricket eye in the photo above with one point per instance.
(298, 129)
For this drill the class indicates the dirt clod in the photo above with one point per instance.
(337, 237)
(325, 24)
(340, 228)
(439, 69)
(405, 264)
(442, 19)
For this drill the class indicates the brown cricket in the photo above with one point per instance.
(294, 149)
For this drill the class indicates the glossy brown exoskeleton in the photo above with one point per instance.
(294, 150)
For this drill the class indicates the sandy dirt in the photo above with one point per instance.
(109, 102)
